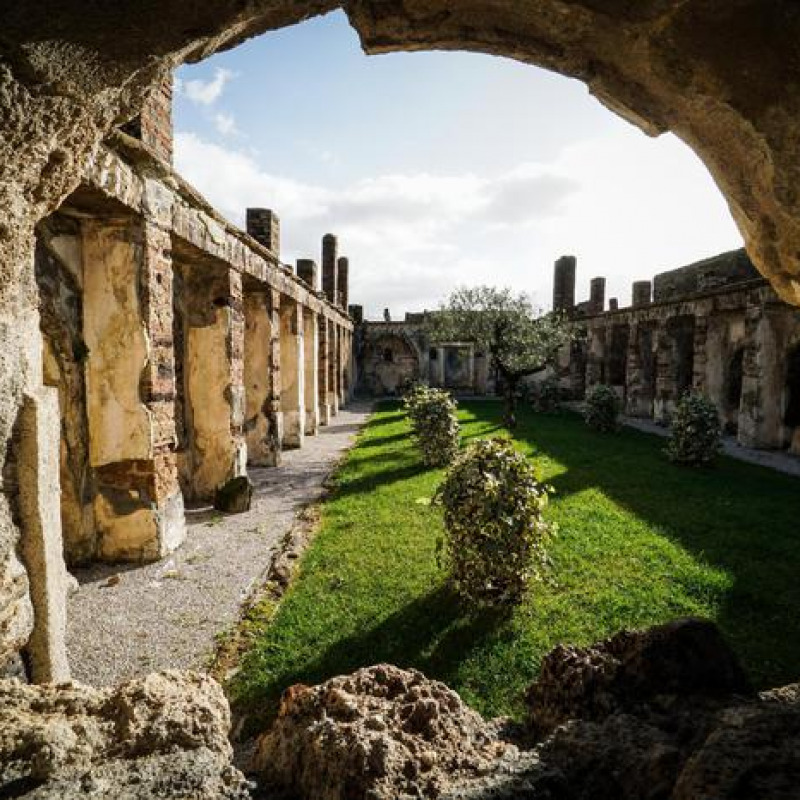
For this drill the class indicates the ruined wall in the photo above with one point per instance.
(732, 343)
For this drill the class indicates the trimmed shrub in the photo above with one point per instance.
(495, 532)
(603, 407)
(695, 431)
(434, 424)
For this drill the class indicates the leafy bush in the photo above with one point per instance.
(695, 431)
(409, 387)
(603, 407)
(434, 424)
(495, 533)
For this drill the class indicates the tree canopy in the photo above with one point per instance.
(519, 340)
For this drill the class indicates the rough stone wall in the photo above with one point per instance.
(731, 344)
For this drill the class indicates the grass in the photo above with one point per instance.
(641, 541)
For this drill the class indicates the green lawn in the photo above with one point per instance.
(641, 541)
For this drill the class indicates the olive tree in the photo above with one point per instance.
(519, 340)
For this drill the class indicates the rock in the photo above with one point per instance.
(683, 661)
(382, 732)
(754, 752)
(235, 496)
(163, 736)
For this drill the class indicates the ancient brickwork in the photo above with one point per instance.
(714, 327)
(386, 356)
(178, 349)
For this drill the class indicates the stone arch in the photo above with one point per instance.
(67, 78)
(390, 360)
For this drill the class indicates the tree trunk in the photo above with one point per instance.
(510, 413)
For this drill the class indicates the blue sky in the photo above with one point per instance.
(438, 169)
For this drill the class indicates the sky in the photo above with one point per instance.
(440, 169)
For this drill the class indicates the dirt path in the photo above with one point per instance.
(125, 622)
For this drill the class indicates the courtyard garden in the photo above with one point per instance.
(640, 541)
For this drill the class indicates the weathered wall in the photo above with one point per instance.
(59, 276)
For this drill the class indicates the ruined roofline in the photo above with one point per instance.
(733, 288)
(121, 170)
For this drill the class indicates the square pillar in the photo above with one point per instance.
(213, 377)
(323, 371)
(292, 373)
(130, 384)
(311, 367)
(42, 546)
(341, 372)
(333, 368)
(767, 329)
(261, 428)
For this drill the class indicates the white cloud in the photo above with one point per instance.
(205, 93)
(634, 204)
(225, 123)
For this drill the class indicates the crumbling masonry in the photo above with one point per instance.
(715, 327)
(177, 350)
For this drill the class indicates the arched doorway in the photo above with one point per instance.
(390, 362)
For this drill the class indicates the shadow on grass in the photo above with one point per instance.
(432, 634)
(734, 516)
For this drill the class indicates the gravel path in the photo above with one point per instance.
(128, 621)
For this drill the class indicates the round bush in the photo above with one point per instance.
(434, 424)
(695, 431)
(495, 532)
(603, 407)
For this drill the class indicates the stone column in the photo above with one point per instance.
(342, 282)
(330, 249)
(353, 372)
(597, 295)
(340, 334)
(564, 283)
(763, 381)
(311, 367)
(264, 226)
(442, 374)
(323, 371)
(263, 442)
(213, 378)
(333, 367)
(642, 293)
(292, 373)
(130, 386)
(275, 405)
(42, 547)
